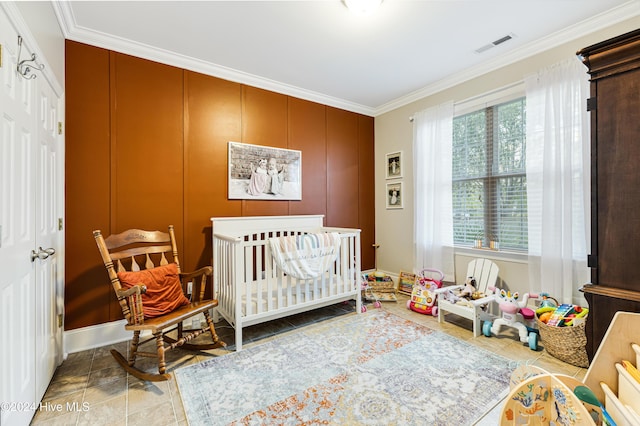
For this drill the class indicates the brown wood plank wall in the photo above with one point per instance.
(366, 191)
(146, 146)
(87, 183)
(342, 167)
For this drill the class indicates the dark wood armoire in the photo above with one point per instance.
(614, 103)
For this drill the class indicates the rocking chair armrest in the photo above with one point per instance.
(131, 303)
(206, 270)
(136, 289)
(199, 280)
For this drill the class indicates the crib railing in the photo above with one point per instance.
(251, 288)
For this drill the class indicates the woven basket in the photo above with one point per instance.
(565, 343)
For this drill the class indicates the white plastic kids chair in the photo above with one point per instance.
(485, 273)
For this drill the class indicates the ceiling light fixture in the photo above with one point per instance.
(362, 7)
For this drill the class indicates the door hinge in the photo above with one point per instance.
(59, 320)
(592, 104)
(59, 224)
(59, 127)
(592, 261)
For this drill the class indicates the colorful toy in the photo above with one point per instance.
(423, 298)
(465, 295)
(580, 313)
(469, 288)
(514, 314)
(560, 316)
(548, 301)
(544, 312)
(368, 294)
(544, 316)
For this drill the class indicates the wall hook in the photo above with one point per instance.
(25, 66)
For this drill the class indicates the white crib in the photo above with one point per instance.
(251, 289)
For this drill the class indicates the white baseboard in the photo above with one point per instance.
(95, 336)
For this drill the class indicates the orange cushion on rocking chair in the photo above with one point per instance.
(164, 292)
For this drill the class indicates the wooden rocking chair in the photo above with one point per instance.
(157, 298)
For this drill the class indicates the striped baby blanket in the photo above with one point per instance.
(307, 255)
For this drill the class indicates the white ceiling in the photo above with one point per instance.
(320, 51)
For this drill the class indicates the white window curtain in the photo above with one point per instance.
(433, 215)
(558, 179)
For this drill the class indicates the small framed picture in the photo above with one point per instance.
(405, 282)
(394, 165)
(394, 195)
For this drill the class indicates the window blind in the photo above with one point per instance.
(489, 176)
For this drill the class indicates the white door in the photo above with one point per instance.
(46, 236)
(30, 201)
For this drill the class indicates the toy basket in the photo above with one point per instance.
(565, 343)
(385, 285)
(378, 289)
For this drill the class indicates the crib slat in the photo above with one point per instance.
(288, 285)
(279, 288)
(247, 282)
(344, 269)
(259, 278)
(270, 276)
(229, 261)
(324, 288)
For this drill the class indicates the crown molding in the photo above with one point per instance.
(74, 32)
(621, 13)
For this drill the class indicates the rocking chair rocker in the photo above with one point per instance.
(156, 299)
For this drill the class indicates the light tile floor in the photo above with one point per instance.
(104, 394)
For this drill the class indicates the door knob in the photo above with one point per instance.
(42, 253)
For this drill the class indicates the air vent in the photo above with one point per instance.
(484, 48)
(502, 40)
(495, 43)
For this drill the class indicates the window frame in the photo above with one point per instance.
(491, 177)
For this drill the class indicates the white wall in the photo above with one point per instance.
(394, 132)
(43, 25)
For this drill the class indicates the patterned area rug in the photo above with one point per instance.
(372, 369)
